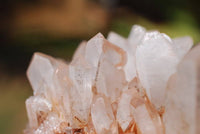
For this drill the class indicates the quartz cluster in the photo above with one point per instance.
(145, 84)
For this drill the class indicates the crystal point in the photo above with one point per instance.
(155, 62)
(147, 83)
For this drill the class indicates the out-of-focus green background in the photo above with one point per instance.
(56, 27)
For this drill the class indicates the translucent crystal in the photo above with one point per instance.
(182, 105)
(102, 115)
(147, 83)
(124, 113)
(129, 45)
(155, 62)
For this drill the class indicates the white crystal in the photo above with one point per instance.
(36, 105)
(136, 35)
(94, 49)
(124, 114)
(144, 120)
(111, 62)
(147, 83)
(50, 125)
(129, 45)
(81, 92)
(155, 62)
(40, 76)
(102, 115)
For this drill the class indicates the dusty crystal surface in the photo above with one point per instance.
(145, 84)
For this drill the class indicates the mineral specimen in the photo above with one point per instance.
(145, 84)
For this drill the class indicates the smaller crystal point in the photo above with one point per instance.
(102, 115)
(94, 49)
(40, 72)
(136, 35)
(145, 84)
(36, 109)
(125, 118)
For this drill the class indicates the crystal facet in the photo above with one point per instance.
(145, 84)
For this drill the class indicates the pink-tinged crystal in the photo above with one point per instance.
(129, 45)
(36, 106)
(102, 115)
(124, 112)
(110, 66)
(182, 105)
(145, 84)
(182, 45)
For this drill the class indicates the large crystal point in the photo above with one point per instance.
(182, 104)
(155, 62)
(145, 84)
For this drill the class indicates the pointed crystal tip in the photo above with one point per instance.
(144, 84)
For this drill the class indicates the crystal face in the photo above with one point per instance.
(145, 84)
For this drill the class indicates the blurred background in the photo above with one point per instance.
(56, 27)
